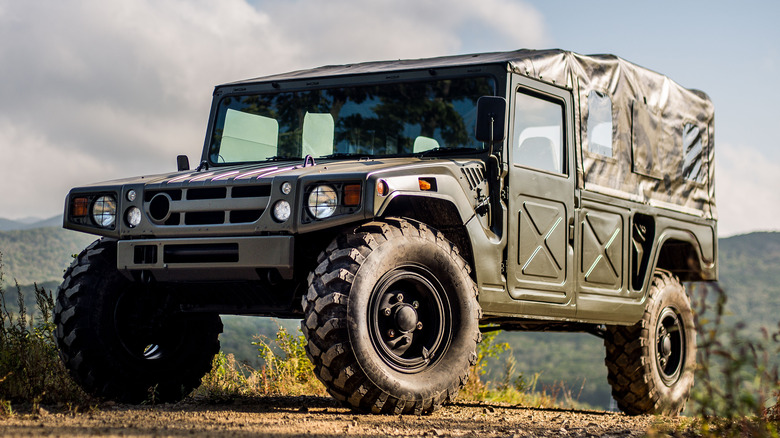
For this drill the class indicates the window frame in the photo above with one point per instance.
(564, 146)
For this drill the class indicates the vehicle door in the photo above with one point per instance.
(539, 260)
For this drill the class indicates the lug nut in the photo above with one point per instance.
(415, 304)
(419, 325)
(399, 297)
(387, 311)
(391, 333)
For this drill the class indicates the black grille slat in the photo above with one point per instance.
(175, 194)
(204, 218)
(251, 191)
(174, 219)
(244, 216)
(207, 193)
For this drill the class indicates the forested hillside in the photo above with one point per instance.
(749, 272)
(39, 254)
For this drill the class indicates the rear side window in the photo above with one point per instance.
(693, 170)
(599, 123)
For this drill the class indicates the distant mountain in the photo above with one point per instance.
(29, 223)
(39, 254)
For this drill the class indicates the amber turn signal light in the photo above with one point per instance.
(427, 184)
(80, 207)
(352, 195)
(381, 188)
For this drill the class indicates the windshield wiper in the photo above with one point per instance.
(447, 151)
(282, 158)
(346, 155)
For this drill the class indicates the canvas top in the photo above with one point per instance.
(661, 146)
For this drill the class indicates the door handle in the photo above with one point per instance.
(571, 230)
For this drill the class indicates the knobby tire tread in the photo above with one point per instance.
(97, 370)
(630, 373)
(325, 305)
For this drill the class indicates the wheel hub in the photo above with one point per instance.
(670, 346)
(406, 318)
(409, 317)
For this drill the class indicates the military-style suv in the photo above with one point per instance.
(399, 209)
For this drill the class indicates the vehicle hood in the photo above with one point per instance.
(247, 173)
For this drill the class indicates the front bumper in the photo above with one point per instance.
(206, 259)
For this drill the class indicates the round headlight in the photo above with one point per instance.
(131, 195)
(133, 216)
(286, 188)
(282, 210)
(322, 202)
(104, 211)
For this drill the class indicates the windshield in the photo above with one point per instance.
(373, 120)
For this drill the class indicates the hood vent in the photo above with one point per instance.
(474, 176)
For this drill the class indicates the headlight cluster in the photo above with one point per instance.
(99, 210)
(104, 211)
(326, 200)
(322, 202)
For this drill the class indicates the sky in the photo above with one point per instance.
(93, 90)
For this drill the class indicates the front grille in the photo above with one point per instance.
(207, 205)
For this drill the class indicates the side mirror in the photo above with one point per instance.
(491, 113)
(182, 163)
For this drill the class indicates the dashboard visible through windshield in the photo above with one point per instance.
(391, 119)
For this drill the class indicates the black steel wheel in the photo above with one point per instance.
(410, 319)
(651, 364)
(126, 342)
(391, 318)
(670, 345)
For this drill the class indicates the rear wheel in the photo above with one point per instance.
(391, 318)
(651, 364)
(126, 342)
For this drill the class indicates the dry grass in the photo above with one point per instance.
(286, 371)
(30, 370)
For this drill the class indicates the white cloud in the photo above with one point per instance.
(93, 90)
(747, 190)
(36, 173)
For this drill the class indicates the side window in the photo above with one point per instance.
(692, 153)
(538, 133)
(599, 123)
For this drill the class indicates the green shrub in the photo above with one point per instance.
(737, 375)
(513, 387)
(285, 371)
(30, 369)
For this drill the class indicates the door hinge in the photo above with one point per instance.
(504, 194)
(503, 268)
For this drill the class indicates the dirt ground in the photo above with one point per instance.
(322, 417)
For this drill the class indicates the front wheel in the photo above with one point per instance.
(651, 364)
(126, 342)
(391, 318)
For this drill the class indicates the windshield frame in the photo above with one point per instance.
(497, 73)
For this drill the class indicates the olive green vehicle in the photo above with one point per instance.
(399, 209)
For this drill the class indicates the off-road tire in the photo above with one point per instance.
(101, 339)
(357, 280)
(651, 364)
